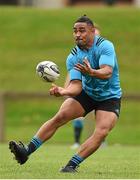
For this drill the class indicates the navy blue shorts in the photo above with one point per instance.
(89, 104)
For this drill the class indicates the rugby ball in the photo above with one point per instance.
(48, 71)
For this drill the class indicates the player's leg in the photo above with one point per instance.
(105, 121)
(77, 127)
(70, 109)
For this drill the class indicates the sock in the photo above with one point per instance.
(75, 161)
(34, 144)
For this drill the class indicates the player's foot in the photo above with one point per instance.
(68, 169)
(75, 146)
(19, 151)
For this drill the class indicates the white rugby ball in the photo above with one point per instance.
(48, 71)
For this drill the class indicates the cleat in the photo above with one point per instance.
(19, 151)
(68, 169)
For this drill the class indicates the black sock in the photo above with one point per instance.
(34, 145)
(75, 161)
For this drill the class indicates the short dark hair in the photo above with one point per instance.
(85, 19)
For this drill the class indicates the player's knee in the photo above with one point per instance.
(102, 132)
(61, 118)
(63, 115)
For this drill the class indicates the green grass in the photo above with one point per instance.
(30, 35)
(112, 162)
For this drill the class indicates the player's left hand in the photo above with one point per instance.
(85, 67)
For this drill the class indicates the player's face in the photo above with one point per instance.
(83, 34)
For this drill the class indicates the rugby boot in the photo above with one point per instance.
(68, 169)
(19, 151)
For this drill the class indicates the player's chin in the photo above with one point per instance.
(80, 44)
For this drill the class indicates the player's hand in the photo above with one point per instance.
(56, 90)
(85, 67)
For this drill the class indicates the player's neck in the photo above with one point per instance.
(89, 45)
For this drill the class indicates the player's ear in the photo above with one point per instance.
(92, 29)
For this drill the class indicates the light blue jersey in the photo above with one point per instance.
(101, 53)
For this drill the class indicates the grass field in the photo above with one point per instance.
(113, 162)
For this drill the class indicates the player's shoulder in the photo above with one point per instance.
(101, 41)
(72, 55)
(104, 44)
(74, 51)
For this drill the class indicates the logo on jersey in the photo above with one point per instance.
(99, 41)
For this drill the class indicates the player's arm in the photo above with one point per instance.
(67, 80)
(104, 72)
(73, 84)
(106, 63)
(73, 89)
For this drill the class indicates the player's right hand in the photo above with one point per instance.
(56, 90)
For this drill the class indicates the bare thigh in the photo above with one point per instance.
(105, 120)
(70, 109)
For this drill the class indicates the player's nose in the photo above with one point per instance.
(78, 34)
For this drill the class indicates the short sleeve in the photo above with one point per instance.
(70, 63)
(107, 56)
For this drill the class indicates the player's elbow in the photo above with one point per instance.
(75, 92)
